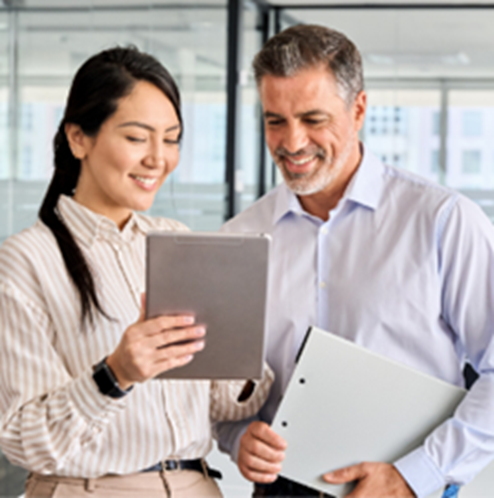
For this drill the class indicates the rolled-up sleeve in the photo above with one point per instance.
(47, 416)
(225, 404)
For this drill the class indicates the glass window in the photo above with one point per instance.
(408, 142)
(435, 162)
(471, 162)
(472, 123)
(6, 186)
(51, 44)
(469, 144)
(250, 141)
(436, 123)
(4, 132)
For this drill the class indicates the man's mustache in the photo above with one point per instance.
(316, 151)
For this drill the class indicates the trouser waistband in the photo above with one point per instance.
(198, 464)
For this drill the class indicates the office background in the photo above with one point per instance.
(429, 69)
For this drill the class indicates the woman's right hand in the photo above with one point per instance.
(149, 347)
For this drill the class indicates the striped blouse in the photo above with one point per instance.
(53, 418)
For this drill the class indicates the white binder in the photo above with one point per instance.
(345, 404)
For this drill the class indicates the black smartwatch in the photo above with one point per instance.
(107, 382)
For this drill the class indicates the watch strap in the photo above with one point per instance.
(106, 381)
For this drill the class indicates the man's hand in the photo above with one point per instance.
(261, 453)
(375, 480)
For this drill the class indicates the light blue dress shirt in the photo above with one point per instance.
(403, 267)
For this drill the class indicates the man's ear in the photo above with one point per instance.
(358, 109)
(78, 141)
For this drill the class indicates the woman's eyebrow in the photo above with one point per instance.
(174, 127)
(146, 126)
(137, 123)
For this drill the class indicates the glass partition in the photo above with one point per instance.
(51, 40)
(402, 128)
(5, 119)
(250, 144)
(469, 148)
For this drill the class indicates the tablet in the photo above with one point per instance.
(221, 278)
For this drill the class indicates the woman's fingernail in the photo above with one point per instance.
(199, 345)
(188, 319)
(200, 331)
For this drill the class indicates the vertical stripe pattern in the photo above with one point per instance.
(53, 418)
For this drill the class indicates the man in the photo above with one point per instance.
(397, 264)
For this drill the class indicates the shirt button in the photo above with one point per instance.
(322, 285)
(324, 231)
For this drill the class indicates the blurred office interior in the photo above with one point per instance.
(429, 69)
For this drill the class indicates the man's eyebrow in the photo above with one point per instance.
(269, 114)
(148, 127)
(312, 112)
(305, 114)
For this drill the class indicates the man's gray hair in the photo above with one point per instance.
(304, 46)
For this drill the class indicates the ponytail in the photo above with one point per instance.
(64, 181)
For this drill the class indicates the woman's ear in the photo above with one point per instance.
(78, 140)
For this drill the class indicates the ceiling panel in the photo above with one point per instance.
(303, 4)
(68, 4)
(415, 43)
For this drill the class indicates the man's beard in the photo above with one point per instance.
(325, 172)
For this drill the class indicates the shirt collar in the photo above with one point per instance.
(87, 225)
(367, 183)
(364, 188)
(286, 202)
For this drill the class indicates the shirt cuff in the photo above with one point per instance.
(236, 444)
(90, 403)
(420, 472)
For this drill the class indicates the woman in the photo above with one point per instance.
(77, 407)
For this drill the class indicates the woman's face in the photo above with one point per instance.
(125, 164)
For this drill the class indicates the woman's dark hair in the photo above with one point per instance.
(96, 89)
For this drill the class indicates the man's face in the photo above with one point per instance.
(311, 132)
